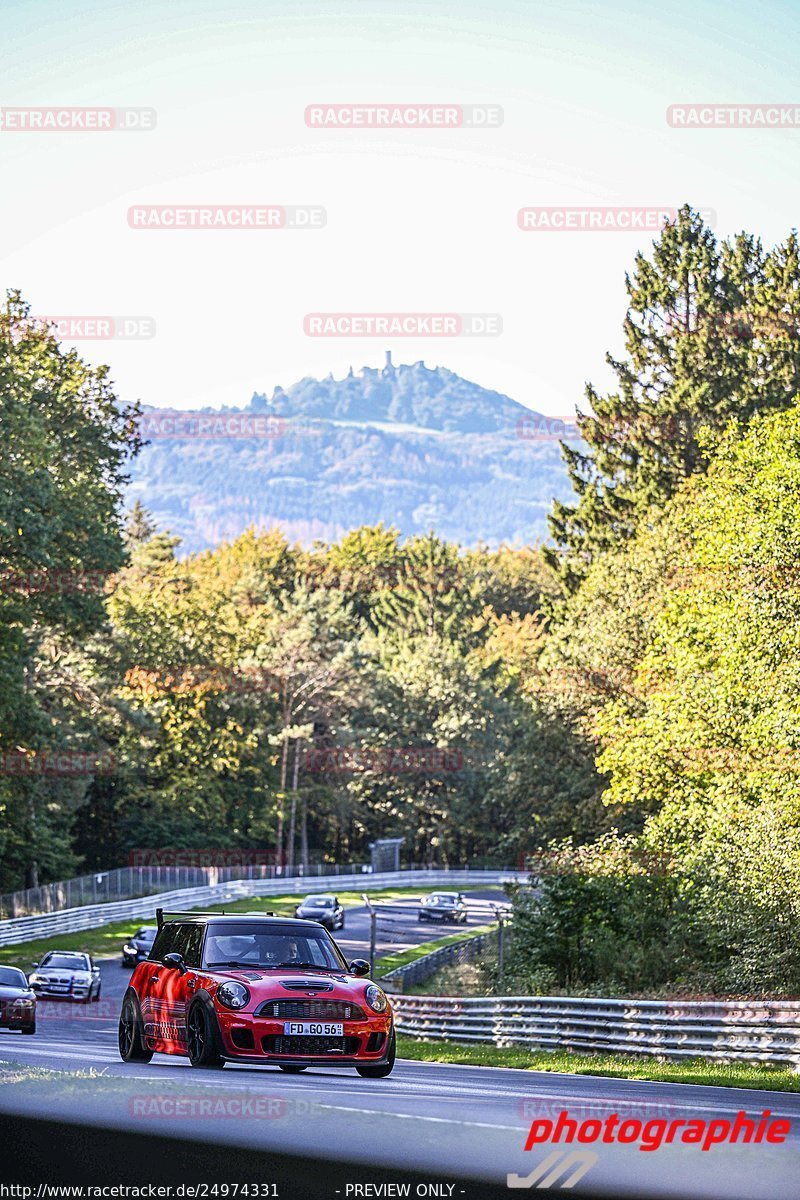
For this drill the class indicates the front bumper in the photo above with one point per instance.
(17, 1018)
(249, 1038)
(60, 991)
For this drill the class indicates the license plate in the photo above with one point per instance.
(313, 1029)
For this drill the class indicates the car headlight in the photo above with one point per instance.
(233, 994)
(22, 1002)
(129, 950)
(34, 979)
(376, 999)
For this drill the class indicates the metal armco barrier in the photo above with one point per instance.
(90, 916)
(752, 1031)
(422, 968)
(128, 883)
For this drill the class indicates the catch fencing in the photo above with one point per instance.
(751, 1031)
(126, 883)
(90, 916)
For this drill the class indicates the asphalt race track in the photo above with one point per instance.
(444, 1122)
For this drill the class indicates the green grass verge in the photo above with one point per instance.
(763, 1077)
(285, 905)
(106, 940)
(401, 959)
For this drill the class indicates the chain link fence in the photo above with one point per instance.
(127, 883)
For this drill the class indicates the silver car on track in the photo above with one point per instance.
(67, 975)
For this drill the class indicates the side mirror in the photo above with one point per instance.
(359, 966)
(34, 965)
(176, 961)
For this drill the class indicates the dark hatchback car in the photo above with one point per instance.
(138, 945)
(325, 909)
(17, 1001)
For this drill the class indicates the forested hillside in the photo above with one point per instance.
(418, 448)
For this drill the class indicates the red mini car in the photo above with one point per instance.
(255, 988)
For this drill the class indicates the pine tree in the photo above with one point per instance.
(139, 525)
(710, 337)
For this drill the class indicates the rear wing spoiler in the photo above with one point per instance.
(161, 919)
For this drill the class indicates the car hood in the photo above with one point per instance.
(61, 973)
(287, 983)
(12, 992)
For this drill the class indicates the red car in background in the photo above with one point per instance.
(255, 988)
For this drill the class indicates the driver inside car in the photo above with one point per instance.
(290, 953)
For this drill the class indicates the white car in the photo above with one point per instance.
(66, 974)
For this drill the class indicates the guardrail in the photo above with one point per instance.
(751, 1031)
(128, 883)
(422, 968)
(90, 916)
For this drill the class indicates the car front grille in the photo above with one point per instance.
(322, 1046)
(311, 1010)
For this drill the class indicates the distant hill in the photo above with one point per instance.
(415, 447)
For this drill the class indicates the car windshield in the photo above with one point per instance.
(442, 899)
(145, 935)
(318, 902)
(11, 977)
(254, 946)
(69, 962)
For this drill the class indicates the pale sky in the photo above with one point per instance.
(417, 220)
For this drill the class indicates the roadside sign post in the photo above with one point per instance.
(500, 931)
(373, 930)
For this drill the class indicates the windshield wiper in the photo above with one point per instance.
(231, 962)
(304, 965)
